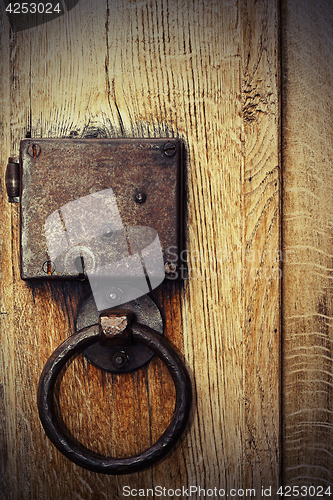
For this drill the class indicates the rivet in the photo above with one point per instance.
(119, 359)
(140, 197)
(107, 231)
(114, 294)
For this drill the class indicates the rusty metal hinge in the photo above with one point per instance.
(13, 179)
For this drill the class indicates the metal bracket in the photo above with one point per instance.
(145, 176)
(120, 357)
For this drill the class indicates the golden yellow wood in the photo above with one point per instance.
(206, 71)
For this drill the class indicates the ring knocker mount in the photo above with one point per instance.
(108, 211)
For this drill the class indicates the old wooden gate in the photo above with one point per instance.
(208, 72)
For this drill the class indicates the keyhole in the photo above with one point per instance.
(79, 264)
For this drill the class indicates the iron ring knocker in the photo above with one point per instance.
(88, 459)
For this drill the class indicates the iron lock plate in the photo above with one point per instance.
(145, 176)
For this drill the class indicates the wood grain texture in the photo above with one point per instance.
(205, 71)
(8, 464)
(262, 212)
(307, 210)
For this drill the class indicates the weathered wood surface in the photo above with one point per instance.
(307, 50)
(206, 72)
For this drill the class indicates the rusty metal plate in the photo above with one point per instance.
(144, 177)
(145, 312)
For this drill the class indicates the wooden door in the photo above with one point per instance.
(207, 72)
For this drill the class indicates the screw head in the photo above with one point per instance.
(140, 197)
(34, 150)
(48, 267)
(119, 359)
(170, 267)
(170, 149)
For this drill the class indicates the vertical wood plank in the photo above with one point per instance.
(307, 243)
(8, 465)
(261, 242)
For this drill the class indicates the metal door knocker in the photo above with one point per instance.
(110, 211)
